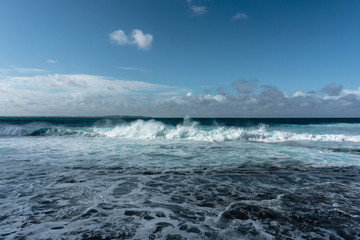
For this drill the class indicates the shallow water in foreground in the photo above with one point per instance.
(171, 179)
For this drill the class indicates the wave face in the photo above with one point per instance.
(337, 135)
(96, 178)
(193, 130)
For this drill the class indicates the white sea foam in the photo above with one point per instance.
(150, 180)
(156, 130)
(188, 130)
(281, 136)
(141, 129)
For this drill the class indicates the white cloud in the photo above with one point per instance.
(270, 102)
(119, 37)
(133, 69)
(78, 83)
(83, 94)
(348, 92)
(51, 61)
(74, 94)
(142, 40)
(196, 9)
(299, 94)
(19, 70)
(218, 98)
(238, 16)
(138, 38)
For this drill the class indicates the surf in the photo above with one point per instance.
(187, 130)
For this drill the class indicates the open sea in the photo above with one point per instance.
(114, 178)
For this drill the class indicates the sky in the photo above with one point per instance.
(177, 58)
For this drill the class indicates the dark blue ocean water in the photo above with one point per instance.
(143, 178)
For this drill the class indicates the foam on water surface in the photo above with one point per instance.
(151, 179)
(152, 129)
(256, 203)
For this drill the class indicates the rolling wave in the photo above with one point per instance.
(19, 131)
(151, 129)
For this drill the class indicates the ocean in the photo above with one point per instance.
(148, 178)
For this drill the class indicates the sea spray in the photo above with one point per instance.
(188, 130)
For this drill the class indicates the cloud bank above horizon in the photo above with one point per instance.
(178, 58)
(82, 94)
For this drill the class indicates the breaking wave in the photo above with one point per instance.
(190, 130)
(18, 131)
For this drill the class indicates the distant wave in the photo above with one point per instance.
(191, 130)
(12, 131)
(29, 130)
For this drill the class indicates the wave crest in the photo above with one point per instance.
(191, 130)
(151, 129)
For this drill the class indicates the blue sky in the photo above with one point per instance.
(179, 56)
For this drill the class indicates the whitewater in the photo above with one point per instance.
(145, 178)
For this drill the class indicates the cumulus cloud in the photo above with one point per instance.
(82, 94)
(238, 16)
(333, 89)
(268, 102)
(138, 38)
(198, 10)
(142, 40)
(119, 37)
(245, 86)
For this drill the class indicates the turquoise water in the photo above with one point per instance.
(113, 178)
